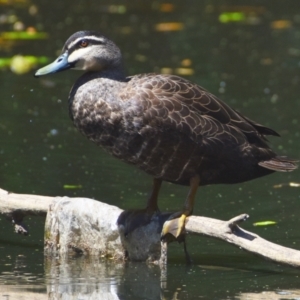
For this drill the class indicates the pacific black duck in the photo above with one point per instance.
(169, 127)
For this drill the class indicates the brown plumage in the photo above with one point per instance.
(167, 126)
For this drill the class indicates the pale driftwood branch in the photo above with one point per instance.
(27, 204)
(251, 242)
(88, 226)
(16, 206)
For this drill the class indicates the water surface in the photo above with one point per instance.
(251, 63)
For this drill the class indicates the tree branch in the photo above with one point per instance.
(87, 226)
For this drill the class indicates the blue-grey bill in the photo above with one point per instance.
(60, 64)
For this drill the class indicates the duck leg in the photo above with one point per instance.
(152, 201)
(132, 219)
(175, 224)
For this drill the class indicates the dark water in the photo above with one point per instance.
(252, 64)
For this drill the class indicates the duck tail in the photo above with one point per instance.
(280, 164)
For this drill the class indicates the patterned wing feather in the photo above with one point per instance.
(174, 102)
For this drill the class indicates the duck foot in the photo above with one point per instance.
(174, 225)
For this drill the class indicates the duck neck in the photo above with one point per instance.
(93, 98)
(116, 73)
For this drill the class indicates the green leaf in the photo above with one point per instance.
(264, 223)
(72, 187)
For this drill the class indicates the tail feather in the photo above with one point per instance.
(280, 164)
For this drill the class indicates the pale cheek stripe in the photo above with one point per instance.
(90, 37)
(78, 55)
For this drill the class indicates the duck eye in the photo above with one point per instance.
(83, 44)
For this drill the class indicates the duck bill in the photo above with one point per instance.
(60, 64)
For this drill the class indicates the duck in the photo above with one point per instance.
(169, 127)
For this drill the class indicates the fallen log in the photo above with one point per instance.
(89, 227)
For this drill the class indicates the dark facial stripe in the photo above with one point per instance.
(90, 39)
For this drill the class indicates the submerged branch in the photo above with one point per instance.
(90, 227)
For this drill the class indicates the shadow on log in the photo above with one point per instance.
(86, 226)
